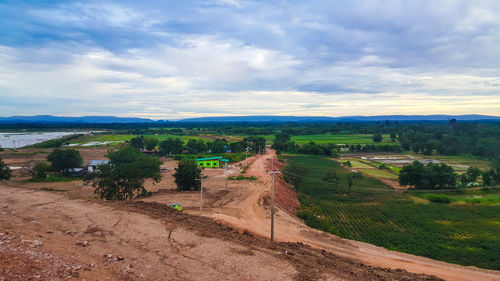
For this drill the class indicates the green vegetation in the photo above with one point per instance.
(439, 198)
(460, 232)
(5, 172)
(64, 159)
(55, 143)
(123, 177)
(430, 176)
(188, 175)
(40, 171)
(241, 177)
(53, 177)
(337, 139)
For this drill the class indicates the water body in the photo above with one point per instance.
(17, 140)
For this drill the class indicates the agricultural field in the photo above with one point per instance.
(115, 139)
(386, 167)
(340, 139)
(465, 231)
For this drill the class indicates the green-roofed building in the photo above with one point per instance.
(212, 162)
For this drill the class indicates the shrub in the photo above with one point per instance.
(439, 198)
(241, 177)
(40, 171)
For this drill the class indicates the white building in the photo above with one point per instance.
(93, 164)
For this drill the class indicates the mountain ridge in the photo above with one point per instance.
(50, 119)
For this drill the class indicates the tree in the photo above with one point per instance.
(218, 146)
(171, 146)
(123, 177)
(432, 176)
(64, 159)
(5, 172)
(393, 136)
(187, 175)
(281, 142)
(137, 142)
(413, 175)
(473, 173)
(196, 146)
(377, 137)
(489, 177)
(150, 143)
(40, 171)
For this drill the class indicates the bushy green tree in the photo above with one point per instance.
(5, 172)
(489, 177)
(432, 176)
(137, 142)
(187, 175)
(40, 170)
(64, 159)
(218, 146)
(150, 143)
(123, 177)
(281, 141)
(171, 146)
(196, 146)
(377, 137)
(470, 176)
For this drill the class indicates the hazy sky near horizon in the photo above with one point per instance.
(176, 59)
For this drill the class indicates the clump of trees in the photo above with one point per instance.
(141, 142)
(62, 160)
(171, 146)
(5, 172)
(187, 175)
(123, 177)
(377, 137)
(430, 176)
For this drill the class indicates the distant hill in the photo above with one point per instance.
(49, 119)
(79, 120)
(471, 117)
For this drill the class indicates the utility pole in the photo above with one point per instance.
(272, 201)
(201, 192)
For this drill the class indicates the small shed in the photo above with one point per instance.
(93, 164)
(211, 162)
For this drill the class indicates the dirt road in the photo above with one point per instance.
(248, 212)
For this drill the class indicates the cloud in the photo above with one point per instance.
(191, 58)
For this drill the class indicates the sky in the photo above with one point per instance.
(180, 59)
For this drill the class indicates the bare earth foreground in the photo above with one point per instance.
(66, 235)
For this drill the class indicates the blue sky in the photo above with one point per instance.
(176, 59)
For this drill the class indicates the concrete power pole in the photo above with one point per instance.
(272, 201)
(201, 192)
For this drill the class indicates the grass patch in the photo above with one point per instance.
(55, 178)
(439, 198)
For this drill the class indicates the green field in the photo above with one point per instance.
(461, 232)
(126, 138)
(339, 139)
